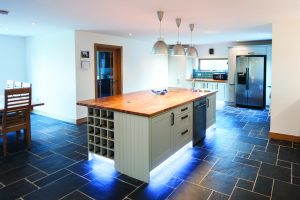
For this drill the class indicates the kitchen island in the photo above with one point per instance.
(140, 130)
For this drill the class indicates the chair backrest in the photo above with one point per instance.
(26, 85)
(17, 106)
(10, 84)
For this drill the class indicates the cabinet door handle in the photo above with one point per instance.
(184, 109)
(172, 119)
(207, 103)
(184, 117)
(184, 132)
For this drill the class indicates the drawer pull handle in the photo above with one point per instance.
(184, 109)
(184, 117)
(184, 132)
(172, 119)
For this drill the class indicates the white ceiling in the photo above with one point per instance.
(216, 20)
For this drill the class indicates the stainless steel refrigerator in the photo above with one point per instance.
(250, 81)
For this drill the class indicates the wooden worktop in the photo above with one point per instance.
(207, 80)
(145, 103)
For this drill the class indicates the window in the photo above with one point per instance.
(217, 64)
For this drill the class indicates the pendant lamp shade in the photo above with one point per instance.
(178, 49)
(160, 47)
(191, 51)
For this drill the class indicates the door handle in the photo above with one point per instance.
(207, 103)
(184, 109)
(184, 117)
(184, 132)
(247, 78)
(172, 119)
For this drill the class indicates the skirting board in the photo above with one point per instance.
(81, 120)
(280, 136)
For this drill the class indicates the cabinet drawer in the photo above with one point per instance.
(183, 109)
(182, 137)
(183, 121)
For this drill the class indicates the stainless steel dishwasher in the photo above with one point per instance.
(199, 121)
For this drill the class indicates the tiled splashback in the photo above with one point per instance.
(205, 74)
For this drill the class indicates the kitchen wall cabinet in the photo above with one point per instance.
(210, 110)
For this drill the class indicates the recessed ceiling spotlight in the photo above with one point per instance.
(130, 34)
(4, 12)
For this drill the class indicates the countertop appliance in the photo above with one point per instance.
(251, 81)
(220, 76)
(199, 120)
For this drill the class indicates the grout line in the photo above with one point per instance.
(272, 189)
(253, 192)
(256, 177)
(292, 174)
(233, 189)
(32, 183)
(210, 194)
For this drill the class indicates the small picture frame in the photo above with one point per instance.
(85, 54)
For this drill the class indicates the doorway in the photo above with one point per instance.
(108, 79)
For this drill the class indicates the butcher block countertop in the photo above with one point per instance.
(145, 103)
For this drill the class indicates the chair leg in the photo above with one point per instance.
(4, 145)
(18, 137)
(28, 138)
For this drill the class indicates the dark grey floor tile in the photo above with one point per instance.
(247, 161)
(219, 182)
(17, 174)
(82, 167)
(266, 157)
(296, 170)
(211, 159)
(53, 177)
(16, 190)
(59, 188)
(289, 154)
(241, 146)
(275, 172)
(284, 163)
(252, 140)
(107, 188)
(282, 190)
(236, 169)
(248, 185)
(259, 148)
(263, 185)
(243, 155)
(241, 194)
(52, 163)
(296, 145)
(76, 196)
(296, 180)
(190, 191)
(130, 180)
(198, 153)
(272, 148)
(281, 142)
(218, 196)
(36, 176)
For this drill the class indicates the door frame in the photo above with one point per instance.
(117, 51)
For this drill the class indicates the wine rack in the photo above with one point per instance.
(100, 129)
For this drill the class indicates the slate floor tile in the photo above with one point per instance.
(130, 180)
(36, 176)
(190, 191)
(266, 157)
(282, 190)
(296, 170)
(59, 188)
(248, 185)
(76, 195)
(247, 161)
(239, 194)
(236, 169)
(107, 188)
(263, 185)
(296, 180)
(281, 142)
(52, 163)
(211, 159)
(272, 148)
(218, 196)
(275, 172)
(219, 182)
(284, 163)
(17, 174)
(16, 190)
(289, 154)
(52, 177)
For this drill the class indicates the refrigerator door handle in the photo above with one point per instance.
(247, 78)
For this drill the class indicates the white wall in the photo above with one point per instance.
(12, 59)
(51, 70)
(220, 50)
(285, 101)
(141, 69)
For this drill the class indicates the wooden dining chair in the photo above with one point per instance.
(16, 115)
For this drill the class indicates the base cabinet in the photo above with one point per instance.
(220, 87)
(210, 110)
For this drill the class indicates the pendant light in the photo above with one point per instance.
(160, 47)
(192, 51)
(178, 49)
